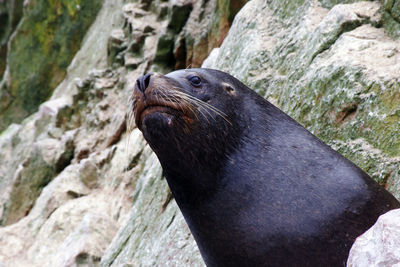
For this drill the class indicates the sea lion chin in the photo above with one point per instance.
(254, 186)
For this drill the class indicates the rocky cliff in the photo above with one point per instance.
(77, 188)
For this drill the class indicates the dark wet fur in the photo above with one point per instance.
(261, 190)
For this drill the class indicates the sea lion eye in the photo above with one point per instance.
(195, 80)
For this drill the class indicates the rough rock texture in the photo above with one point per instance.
(380, 245)
(40, 50)
(392, 17)
(10, 14)
(77, 188)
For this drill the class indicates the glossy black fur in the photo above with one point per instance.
(260, 190)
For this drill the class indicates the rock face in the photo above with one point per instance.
(40, 50)
(10, 14)
(380, 245)
(77, 188)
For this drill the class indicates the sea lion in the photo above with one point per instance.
(254, 186)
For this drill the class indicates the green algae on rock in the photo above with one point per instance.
(10, 15)
(391, 17)
(41, 49)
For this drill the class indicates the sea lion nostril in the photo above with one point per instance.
(143, 82)
(147, 79)
(139, 87)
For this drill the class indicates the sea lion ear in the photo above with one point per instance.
(229, 88)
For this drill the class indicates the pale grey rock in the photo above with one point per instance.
(50, 149)
(88, 173)
(82, 226)
(69, 223)
(30, 164)
(17, 238)
(380, 245)
(211, 60)
(117, 36)
(15, 145)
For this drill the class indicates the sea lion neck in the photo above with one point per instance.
(193, 164)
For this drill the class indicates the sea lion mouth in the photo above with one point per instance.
(143, 109)
(150, 109)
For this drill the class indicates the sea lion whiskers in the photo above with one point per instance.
(201, 104)
(189, 104)
(206, 106)
(181, 101)
(130, 118)
(178, 101)
(189, 101)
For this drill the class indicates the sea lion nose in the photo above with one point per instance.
(143, 81)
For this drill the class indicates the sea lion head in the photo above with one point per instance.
(191, 118)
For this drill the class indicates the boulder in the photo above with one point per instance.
(380, 245)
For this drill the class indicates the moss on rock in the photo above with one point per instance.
(391, 24)
(44, 44)
(10, 15)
